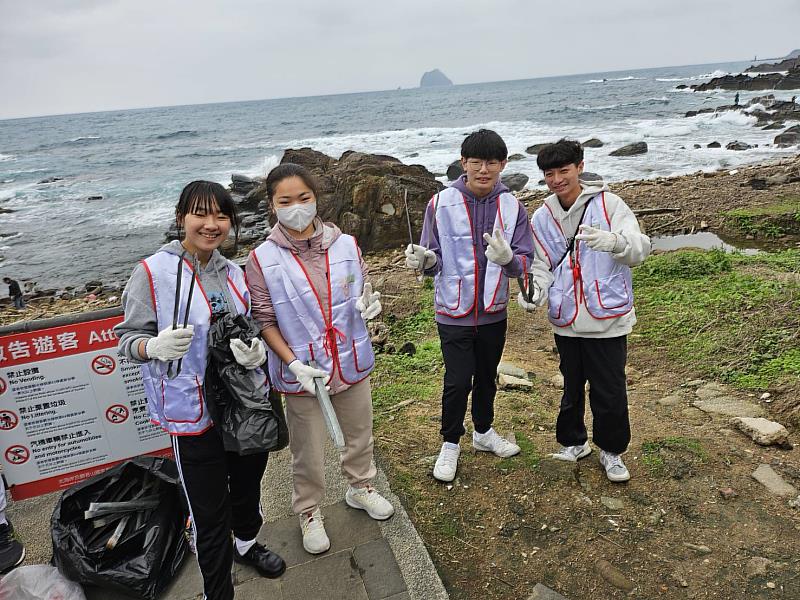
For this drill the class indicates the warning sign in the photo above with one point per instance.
(71, 407)
(117, 413)
(8, 420)
(17, 455)
(103, 364)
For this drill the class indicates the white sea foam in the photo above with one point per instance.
(5, 157)
(85, 137)
(627, 78)
(713, 75)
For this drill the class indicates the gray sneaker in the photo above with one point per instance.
(573, 453)
(616, 470)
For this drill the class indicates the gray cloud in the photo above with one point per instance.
(82, 55)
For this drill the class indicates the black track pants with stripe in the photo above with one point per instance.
(224, 492)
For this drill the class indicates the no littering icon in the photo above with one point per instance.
(3, 386)
(8, 420)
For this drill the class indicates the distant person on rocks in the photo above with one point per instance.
(223, 488)
(586, 241)
(475, 238)
(12, 552)
(15, 293)
(736, 99)
(312, 303)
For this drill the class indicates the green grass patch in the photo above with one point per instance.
(671, 453)
(528, 457)
(772, 220)
(725, 316)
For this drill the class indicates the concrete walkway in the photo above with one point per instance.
(368, 560)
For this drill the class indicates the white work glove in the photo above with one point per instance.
(305, 375)
(537, 298)
(251, 356)
(601, 241)
(419, 258)
(369, 304)
(498, 250)
(170, 344)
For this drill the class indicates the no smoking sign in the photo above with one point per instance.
(103, 364)
(117, 413)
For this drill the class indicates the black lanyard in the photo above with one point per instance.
(571, 244)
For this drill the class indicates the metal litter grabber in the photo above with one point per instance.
(328, 414)
(526, 287)
(172, 370)
(418, 274)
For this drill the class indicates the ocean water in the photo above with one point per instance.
(138, 160)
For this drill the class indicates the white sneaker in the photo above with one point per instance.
(447, 463)
(491, 441)
(615, 468)
(315, 540)
(366, 498)
(573, 453)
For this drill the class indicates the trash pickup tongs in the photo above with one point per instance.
(526, 286)
(331, 422)
(172, 370)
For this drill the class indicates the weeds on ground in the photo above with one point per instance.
(771, 221)
(671, 454)
(727, 324)
(528, 457)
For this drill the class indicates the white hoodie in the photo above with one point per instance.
(636, 250)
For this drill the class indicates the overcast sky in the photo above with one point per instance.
(65, 56)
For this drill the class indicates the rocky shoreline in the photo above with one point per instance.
(364, 194)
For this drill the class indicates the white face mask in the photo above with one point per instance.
(297, 216)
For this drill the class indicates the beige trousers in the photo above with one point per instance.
(307, 435)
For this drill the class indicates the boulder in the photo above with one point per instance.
(737, 145)
(356, 191)
(509, 382)
(631, 149)
(588, 176)
(592, 143)
(513, 370)
(454, 170)
(515, 181)
(516, 157)
(763, 431)
(786, 139)
(714, 145)
(242, 184)
(775, 125)
(536, 148)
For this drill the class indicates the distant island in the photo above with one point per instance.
(434, 78)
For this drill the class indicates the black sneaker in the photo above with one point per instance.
(264, 560)
(12, 553)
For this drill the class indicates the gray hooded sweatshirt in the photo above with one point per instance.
(137, 301)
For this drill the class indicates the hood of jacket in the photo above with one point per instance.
(217, 263)
(325, 234)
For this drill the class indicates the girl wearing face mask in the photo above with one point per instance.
(223, 489)
(311, 303)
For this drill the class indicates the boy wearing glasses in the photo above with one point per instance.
(475, 237)
(586, 241)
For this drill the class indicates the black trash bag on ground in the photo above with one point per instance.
(249, 419)
(150, 546)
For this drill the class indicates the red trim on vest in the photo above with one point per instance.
(199, 285)
(244, 302)
(542, 246)
(200, 396)
(152, 289)
(554, 219)
(605, 212)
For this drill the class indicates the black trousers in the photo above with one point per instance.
(601, 361)
(471, 355)
(224, 494)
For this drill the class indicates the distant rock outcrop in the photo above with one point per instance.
(631, 149)
(434, 78)
(767, 81)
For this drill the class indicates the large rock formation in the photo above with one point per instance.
(630, 149)
(363, 194)
(768, 81)
(434, 78)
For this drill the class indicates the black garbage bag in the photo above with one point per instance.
(250, 420)
(151, 546)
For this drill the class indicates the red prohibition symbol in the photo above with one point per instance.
(117, 413)
(3, 386)
(8, 420)
(103, 364)
(17, 455)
